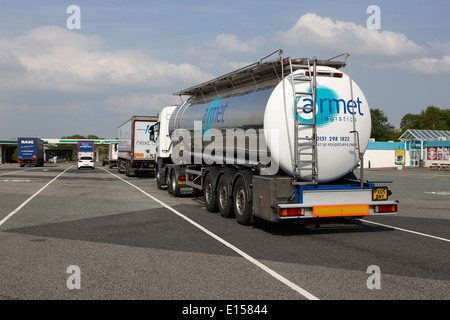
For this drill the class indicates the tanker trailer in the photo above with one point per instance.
(278, 140)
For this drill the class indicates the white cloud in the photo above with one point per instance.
(337, 36)
(217, 54)
(231, 43)
(55, 81)
(422, 65)
(140, 103)
(313, 35)
(374, 48)
(57, 57)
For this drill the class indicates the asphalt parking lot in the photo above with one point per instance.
(95, 234)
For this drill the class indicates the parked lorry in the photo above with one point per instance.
(30, 152)
(86, 149)
(113, 155)
(136, 151)
(278, 140)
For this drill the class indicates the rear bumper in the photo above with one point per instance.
(295, 211)
(27, 161)
(278, 198)
(143, 165)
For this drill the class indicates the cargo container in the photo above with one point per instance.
(113, 155)
(136, 151)
(30, 151)
(86, 149)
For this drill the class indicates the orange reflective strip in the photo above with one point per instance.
(341, 210)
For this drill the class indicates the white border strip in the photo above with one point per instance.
(405, 230)
(274, 274)
(31, 198)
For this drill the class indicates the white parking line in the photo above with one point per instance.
(274, 274)
(30, 198)
(4, 174)
(406, 230)
(440, 193)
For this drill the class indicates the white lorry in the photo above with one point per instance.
(136, 153)
(113, 155)
(278, 140)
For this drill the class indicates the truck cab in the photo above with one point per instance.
(168, 175)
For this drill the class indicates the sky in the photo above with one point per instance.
(129, 57)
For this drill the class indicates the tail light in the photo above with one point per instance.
(289, 212)
(384, 208)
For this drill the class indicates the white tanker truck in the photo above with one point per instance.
(278, 140)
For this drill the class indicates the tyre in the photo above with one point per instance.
(127, 169)
(224, 202)
(241, 202)
(210, 194)
(174, 184)
(169, 185)
(158, 179)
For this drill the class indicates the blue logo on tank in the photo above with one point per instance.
(213, 114)
(330, 107)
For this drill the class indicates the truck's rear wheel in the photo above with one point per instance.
(241, 202)
(224, 201)
(168, 182)
(174, 184)
(127, 168)
(210, 194)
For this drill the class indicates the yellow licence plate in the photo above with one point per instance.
(379, 193)
(181, 181)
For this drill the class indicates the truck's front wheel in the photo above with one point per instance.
(158, 178)
(241, 202)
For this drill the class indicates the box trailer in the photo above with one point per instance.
(136, 152)
(30, 151)
(113, 155)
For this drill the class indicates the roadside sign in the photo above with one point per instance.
(400, 157)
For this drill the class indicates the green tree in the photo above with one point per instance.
(75, 136)
(432, 118)
(382, 130)
(446, 118)
(80, 137)
(410, 121)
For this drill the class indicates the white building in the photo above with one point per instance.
(418, 148)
